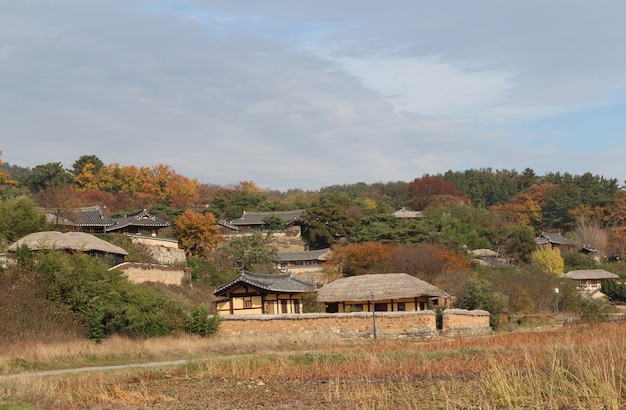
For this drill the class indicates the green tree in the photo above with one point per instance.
(80, 163)
(19, 217)
(327, 221)
(478, 294)
(520, 242)
(250, 252)
(48, 175)
(273, 223)
(199, 322)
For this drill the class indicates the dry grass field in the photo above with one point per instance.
(575, 367)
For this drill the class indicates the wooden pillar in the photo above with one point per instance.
(230, 303)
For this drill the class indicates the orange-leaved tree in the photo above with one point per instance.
(5, 178)
(361, 259)
(197, 233)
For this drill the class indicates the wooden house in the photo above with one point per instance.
(254, 221)
(555, 240)
(589, 281)
(260, 293)
(141, 222)
(386, 292)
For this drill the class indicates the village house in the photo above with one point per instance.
(386, 292)
(93, 219)
(254, 222)
(70, 242)
(403, 213)
(297, 262)
(589, 281)
(260, 293)
(555, 240)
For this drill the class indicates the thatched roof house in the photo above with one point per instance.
(589, 281)
(69, 241)
(388, 292)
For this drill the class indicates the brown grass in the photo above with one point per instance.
(568, 368)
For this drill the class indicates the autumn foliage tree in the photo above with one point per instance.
(359, 259)
(198, 234)
(548, 260)
(5, 178)
(422, 191)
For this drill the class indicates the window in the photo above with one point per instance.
(401, 307)
(247, 303)
(296, 306)
(283, 306)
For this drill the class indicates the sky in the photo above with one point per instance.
(304, 95)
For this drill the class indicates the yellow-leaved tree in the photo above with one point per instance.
(5, 178)
(197, 233)
(548, 260)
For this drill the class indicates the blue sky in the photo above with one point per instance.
(311, 94)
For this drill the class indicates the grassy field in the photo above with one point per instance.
(576, 367)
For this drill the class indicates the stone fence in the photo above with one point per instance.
(421, 324)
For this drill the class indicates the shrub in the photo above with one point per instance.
(478, 295)
(199, 322)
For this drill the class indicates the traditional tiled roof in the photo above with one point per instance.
(584, 274)
(92, 217)
(142, 219)
(553, 237)
(383, 285)
(266, 281)
(256, 218)
(320, 254)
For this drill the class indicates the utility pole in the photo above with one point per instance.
(373, 314)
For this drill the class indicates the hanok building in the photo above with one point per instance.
(261, 293)
(386, 292)
(555, 240)
(296, 262)
(141, 222)
(589, 281)
(255, 221)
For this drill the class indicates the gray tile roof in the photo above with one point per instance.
(553, 237)
(142, 219)
(320, 254)
(256, 218)
(266, 281)
(91, 216)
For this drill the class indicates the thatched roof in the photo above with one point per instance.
(385, 286)
(590, 274)
(484, 253)
(77, 241)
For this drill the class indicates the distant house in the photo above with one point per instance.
(70, 242)
(254, 221)
(589, 281)
(302, 261)
(141, 222)
(387, 292)
(92, 219)
(85, 219)
(406, 214)
(555, 240)
(260, 293)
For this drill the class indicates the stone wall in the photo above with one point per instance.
(145, 272)
(420, 324)
(462, 321)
